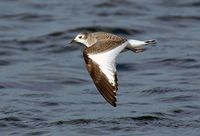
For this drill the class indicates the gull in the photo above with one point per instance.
(100, 57)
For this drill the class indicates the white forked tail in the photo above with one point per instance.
(137, 46)
(137, 43)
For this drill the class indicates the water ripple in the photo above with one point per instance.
(116, 30)
(178, 18)
(45, 89)
(160, 90)
(27, 17)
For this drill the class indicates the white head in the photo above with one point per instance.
(81, 38)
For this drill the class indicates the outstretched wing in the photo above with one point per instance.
(101, 65)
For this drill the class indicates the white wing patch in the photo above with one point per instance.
(107, 61)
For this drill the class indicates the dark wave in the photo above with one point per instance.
(105, 4)
(186, 4)
(110, 4)
(2, 125)
(49, 43)
(157, 90)
(179, 60)
(102, 121)
(56, 34)
(192, 4)
(74, 81)
(145, 120)
(10, 62)
(176, 62)
(182, 98)
(7, 53)
(177, 111)
(180, 4)
(1, 87)
(37, 133)
(73, 122)
(48, 103)
(178, 18)
(118, 13)
(30, 41)
(12, 118)
(142, 118)
(15, 45)
(115, 30)
(126, 67)
(4, 62)
(160, 90)
(27, 17)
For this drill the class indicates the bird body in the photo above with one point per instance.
(100, 57)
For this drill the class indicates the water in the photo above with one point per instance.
(45, 89)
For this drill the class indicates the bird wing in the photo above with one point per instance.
(100, 36)
(101, 64)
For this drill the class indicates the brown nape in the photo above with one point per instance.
(86, 34)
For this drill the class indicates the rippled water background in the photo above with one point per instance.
(45, 89)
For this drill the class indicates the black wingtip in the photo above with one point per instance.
(151, 41)
(114, 104)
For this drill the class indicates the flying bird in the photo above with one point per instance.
(100, 57)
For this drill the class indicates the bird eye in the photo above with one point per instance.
(80, 37)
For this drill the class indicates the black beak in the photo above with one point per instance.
(72, 41)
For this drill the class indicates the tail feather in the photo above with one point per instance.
(138, 46)
(137, 43)
(151, 41)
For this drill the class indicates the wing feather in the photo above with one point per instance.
(107, 90)
(102, 69)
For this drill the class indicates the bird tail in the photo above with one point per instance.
(152, 42)
(137, 46)
(137, 43)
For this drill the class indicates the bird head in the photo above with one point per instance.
(81, 38)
